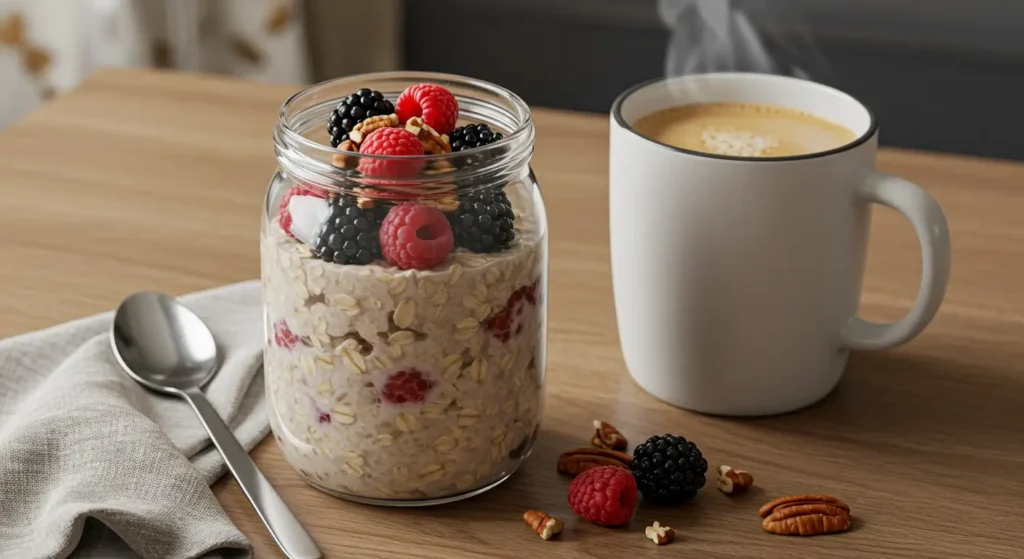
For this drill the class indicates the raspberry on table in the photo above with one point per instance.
(354, 109)
(668, 469)
(435, 104)
(391, 141)
(409, 386)
(605, 496)
(415, 236)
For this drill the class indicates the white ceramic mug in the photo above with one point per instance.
(737, 280)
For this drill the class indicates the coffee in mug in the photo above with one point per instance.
(740, 212)
(743, 129)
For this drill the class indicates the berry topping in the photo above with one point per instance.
(434, 103)
(300, 211)
(484, 222)
(605, 495)
(405, 387)
(283, 336)
(509, 321)
(668, 469)
(354, 109)
(472, 136)
(391, 141)
(351, 234)
(415, 236)
(323, 417)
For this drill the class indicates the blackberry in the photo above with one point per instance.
(668, 469)
(350, 234)
(484, 222)
(354, 109)
(472, 136)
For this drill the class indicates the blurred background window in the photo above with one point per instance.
(941, 75)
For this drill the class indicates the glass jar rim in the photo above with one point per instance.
(312, 160)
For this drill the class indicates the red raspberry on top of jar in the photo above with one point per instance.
(435, 104)
(391, 141)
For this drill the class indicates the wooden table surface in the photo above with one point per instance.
(145, 180)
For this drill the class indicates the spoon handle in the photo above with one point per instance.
(287, 531)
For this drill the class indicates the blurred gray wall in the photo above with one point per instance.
(944, 75)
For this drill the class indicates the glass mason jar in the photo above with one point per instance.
(404, 386)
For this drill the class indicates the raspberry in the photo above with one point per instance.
(285, 219)
(434, 103)
(509, 321)
(283, 336)
(391, 141)
(415, 236)
(605, 496)
(406, 386)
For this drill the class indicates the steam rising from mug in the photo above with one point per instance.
(737, 36)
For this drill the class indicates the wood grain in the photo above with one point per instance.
(148, 180)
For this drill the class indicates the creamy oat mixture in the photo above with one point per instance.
(338, 333)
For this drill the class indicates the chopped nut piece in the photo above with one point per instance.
(545, 525)
(661, 535)
(607, 436)
(363, 129)
(433, 142)
(732, 481)
(346, 160)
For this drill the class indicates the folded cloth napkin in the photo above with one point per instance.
(94, 465)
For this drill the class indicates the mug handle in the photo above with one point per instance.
(933, 233)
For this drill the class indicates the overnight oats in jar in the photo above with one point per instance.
(404, 267)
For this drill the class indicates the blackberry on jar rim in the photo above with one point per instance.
(354, 109)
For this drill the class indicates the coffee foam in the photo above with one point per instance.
(743, 130)
(739, 143)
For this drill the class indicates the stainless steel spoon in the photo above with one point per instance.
(167, 348)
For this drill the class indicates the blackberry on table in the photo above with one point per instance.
(350, 234)
(354, 109)
(484, 222)
(472, 136)
(668, 469)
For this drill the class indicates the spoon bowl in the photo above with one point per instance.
(162, 344)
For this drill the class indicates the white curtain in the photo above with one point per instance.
(48, 46)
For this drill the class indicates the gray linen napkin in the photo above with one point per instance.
(92, 464)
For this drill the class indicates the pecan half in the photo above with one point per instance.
(607, 436)
(575, 462)
(807, 520)
(806, 515)
(362, 130)
(794, 500)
